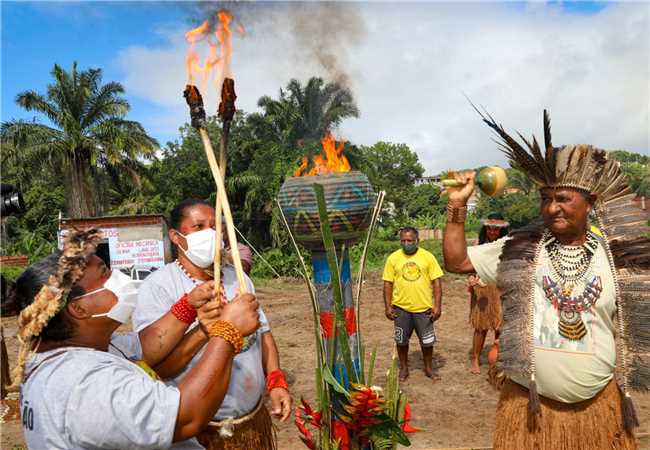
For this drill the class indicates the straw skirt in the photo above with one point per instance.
(485, 308)
(253, 431)
(594, 424)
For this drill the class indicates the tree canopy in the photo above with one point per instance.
(85, 158)
(85, 131)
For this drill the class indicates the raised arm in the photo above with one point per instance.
(182, 354)
(204, 387)
(454, 244)
(168, 332)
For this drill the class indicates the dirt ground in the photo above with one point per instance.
(454, 412)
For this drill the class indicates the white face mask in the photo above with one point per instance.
(200, 247)
(124, 289)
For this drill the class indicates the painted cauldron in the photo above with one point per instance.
(349, 198)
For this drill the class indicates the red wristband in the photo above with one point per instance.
(183, 311)
(276, 379)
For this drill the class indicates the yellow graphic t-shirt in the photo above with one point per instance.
(411, 276)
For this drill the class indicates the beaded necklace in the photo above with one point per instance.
(187, 274)
(248, 340)
(571, 265)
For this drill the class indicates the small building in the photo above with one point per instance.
(137, 245)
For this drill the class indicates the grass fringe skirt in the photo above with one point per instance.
(594, 424)
(255, 431)
(485, 308)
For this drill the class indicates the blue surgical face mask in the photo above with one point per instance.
(409, 249)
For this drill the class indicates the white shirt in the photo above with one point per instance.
(162, 289)
(566, 370)
(80, 398)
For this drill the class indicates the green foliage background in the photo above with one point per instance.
(265, 147)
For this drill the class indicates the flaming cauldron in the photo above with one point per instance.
(349, 197)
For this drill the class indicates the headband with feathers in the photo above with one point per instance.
(580, 166)
(53, 296)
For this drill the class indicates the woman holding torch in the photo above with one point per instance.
(79, 388)
(242, 422)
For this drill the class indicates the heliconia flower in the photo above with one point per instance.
(406, 426)
(313, 416)
(341, 435)
(359, 412)
(310, 444)
(307, 436)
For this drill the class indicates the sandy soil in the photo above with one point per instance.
(454, 412)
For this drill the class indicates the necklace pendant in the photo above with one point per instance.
(567, 289)
(571, 325)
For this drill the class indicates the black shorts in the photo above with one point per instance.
(406, 322)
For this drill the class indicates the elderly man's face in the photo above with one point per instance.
(565, 211)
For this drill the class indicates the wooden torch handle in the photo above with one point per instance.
(219, 207)
(230, 226)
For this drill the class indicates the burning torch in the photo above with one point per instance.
(226, 113)
(198, 121)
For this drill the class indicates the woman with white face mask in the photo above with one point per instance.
(256, 369)
(78, 388)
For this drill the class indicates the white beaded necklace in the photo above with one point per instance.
(187, 274)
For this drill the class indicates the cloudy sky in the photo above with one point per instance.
(409, 65)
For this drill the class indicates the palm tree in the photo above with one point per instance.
(86, 132)
(303, 114)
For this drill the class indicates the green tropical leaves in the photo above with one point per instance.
(86, 132)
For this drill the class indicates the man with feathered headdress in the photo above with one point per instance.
(576, 315)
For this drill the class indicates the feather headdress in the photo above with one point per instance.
(575, 166)
(624, 229)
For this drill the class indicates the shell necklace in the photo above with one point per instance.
(571, 265)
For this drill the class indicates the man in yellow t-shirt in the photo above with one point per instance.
(411, 283)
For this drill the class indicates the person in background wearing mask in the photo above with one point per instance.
(411, 286)
(78, 388)
(242, 422)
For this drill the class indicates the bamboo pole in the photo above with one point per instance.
(322, 390)
(362, 262)
(218, 227)
(198, 120)
(230, 226)
(226, 111)
(312, 290)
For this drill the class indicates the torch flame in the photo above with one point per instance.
(224, 36)
(219, 57)
(193, 59)
(330, 160)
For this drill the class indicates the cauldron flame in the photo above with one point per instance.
(331, 160)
